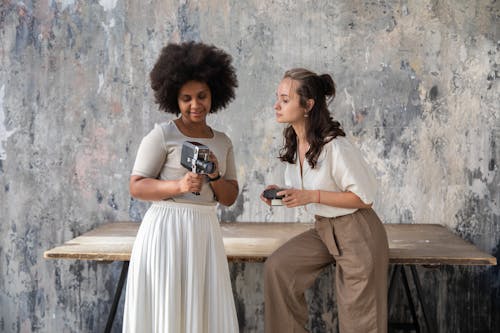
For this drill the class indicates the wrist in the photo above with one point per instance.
(178, 187)
(212, 178)
(313, 196)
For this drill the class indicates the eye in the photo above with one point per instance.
(202, 96)
(186, 98)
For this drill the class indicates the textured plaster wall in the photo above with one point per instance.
(418, 92)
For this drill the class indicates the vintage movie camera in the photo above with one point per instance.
(194, 157)
(272, 194)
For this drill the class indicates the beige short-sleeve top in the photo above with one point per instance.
(159, 156)
(340, 168)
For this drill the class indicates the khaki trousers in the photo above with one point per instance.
(358, 244)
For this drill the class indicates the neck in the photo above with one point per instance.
(300, 131)
(193, 125)
(194, 129)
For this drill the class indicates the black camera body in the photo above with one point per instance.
(194, 157)
(272, 194)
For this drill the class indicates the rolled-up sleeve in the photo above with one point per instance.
(151, 155)
(351, 172)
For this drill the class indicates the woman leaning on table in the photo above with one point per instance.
(178, 280)
(326, 174)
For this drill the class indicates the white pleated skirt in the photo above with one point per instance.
(178, 279)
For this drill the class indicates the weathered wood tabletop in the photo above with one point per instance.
(426, 244)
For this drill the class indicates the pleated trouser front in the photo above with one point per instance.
(178, 280)
(358, 244)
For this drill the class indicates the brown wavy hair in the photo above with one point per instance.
(192, 61)
(320, 126)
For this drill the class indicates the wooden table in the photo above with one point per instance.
(409, 245)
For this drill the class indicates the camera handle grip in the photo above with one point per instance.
(193, 168)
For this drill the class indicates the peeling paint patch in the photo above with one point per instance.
(107, 27)
(112, 202)
(66, 3)
(231, 214)
(4, 133)
(137, 209)
(350, 101)
(433, 93)
(101, 82)
(188, 29)
(108, 5)
(98, 196)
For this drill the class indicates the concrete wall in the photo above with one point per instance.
(418, 92)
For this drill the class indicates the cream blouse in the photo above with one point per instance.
(340, 168)
(159, 157)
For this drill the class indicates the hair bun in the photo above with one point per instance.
(328, 84)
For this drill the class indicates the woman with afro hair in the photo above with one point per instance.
(178, 279)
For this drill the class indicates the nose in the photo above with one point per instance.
(194, 103)
(277, 105)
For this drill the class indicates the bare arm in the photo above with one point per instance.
(226, 191)
(151, 189)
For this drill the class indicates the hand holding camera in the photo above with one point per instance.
(270, 196)
(289, 197)
(197, 158)
(191, 182)
(216, 174)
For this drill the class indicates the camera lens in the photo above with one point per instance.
(205, 166)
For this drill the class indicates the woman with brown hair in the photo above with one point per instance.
(178, 281)
(326, 174)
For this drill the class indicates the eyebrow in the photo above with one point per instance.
(198, 92)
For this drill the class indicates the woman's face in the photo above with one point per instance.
(194, 101)
(287, 106)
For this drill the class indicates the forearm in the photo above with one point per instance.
(150, 189)
(226, 191)
(338, 199)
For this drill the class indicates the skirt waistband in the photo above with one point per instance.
(185, 205)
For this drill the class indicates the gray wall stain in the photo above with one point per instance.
(417, 91)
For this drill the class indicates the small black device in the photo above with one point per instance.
(194, 157)
(272, 194)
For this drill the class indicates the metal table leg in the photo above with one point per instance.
(412, 326)
(116, 300)
(418, 288)
(410, 300)
(393, 274)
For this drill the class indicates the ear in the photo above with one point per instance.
(310, 104)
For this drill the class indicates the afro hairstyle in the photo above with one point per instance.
(192, 61)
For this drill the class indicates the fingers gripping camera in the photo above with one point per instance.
(194, 157)
(272, 194)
